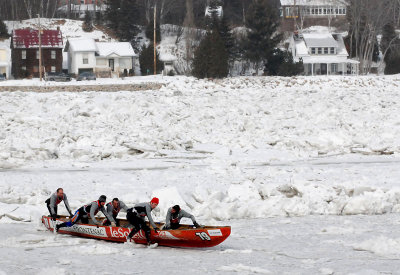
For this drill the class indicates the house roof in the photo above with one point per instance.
(29, 38)
(81, 45)
(103, 49)
(302, 44)
(313, 2)
(319, 40)
(117, 48)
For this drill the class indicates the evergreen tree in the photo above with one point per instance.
(112, 14)
(87, 24)
(3, 30)
(393, 63)
(281, 63)
(229, 41)
(123, 17)
(146, 60)
(388, 40)
(262, 37)
(211, 57)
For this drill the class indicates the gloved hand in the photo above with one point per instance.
(70, 215)
(197, 225)
(113, 224)
(54, 217)
(98, 224)
(156, 230)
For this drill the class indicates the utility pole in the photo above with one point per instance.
(155, 40)
(40, 49)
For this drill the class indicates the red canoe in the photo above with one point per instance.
(185, 236)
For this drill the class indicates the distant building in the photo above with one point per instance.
(299, 14)
(322, 54)
(80, 7)
(5, 58)
(105, 59)
(25, 52)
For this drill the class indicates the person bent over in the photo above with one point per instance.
(136, 216)
(113, 209)
(88, 211)
(53, 202)
(174, 216)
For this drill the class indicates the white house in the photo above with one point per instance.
(322, 54)
(5, 58)
(103, 58)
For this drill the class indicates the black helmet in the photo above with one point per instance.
(177, 208)
(102, 198)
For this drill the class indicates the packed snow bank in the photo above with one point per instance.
(226, 149)
(381, 245)
(211, 190)
(305, 116)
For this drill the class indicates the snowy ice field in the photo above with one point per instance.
(305, 170)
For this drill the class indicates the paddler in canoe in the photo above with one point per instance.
(136, 216)
(89, 211)
(174, 216)
(53, 202)
(113, 209)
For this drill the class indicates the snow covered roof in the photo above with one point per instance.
(319, 40)
(313, 2)
(301, 47)
(29, 38)
(117, 48)
(81, 45)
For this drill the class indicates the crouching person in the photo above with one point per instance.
(88, 211)
(174, 216)
(113, 209)
(53, 202)
(136, 216)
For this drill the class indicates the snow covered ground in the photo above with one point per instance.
(305, 170)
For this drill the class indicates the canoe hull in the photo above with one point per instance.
(187, 237)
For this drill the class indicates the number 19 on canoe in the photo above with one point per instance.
(203, 236)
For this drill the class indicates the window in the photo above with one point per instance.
(319, 50)
(23, 68)
(53, 54)
(332, 50)
(23, 54)
(37, 54)
(53, 69)
(313, 51)
(324, 11)
(85, 58)
(326, 50)
(288, 12)
(334, 67)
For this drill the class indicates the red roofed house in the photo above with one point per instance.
(25, 52)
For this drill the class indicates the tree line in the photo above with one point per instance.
(258, 45)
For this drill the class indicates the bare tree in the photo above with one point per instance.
(367, 18)
(189, 25)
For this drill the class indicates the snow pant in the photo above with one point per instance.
(80, 215)
(138, 224)
(107, 222)
(48, 207)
